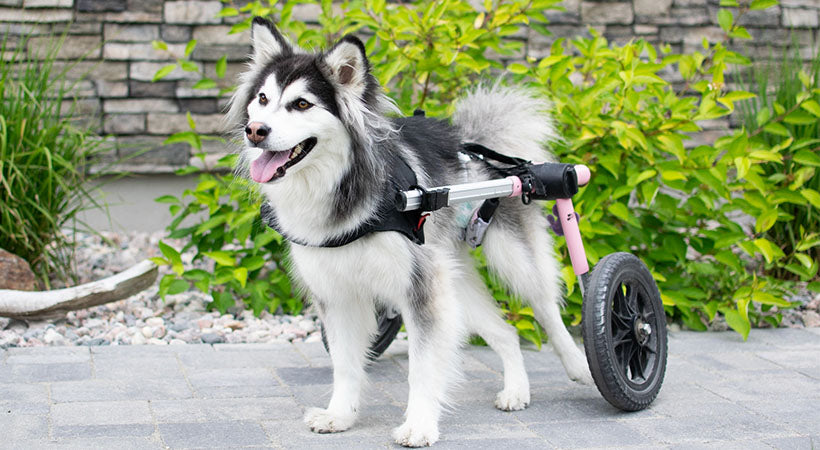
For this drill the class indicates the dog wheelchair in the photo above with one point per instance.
(623, 321)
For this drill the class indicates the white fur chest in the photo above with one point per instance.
(378, 266)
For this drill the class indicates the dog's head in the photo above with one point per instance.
(297, 109)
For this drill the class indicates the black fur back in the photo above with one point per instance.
(434, 143)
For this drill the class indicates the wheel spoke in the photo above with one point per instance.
(632, 300)
(618, 302)
(632, 351)
(621, 322)
(638, 366)
(621, 337)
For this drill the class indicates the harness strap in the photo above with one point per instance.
(387, 217)
(486, 154)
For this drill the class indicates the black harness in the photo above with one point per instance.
(387, 218)
(410, 223)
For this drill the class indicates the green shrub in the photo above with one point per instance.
(44, 154)
(236, 242)
(674, 207)
(678, 208)
(800, 158)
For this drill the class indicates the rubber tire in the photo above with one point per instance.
(597, 332)
(388, 329)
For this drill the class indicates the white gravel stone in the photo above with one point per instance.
(52, 337)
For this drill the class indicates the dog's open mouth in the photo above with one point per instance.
(272, 165)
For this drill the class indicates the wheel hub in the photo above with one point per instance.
(642, 331)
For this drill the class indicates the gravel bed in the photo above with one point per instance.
(145, 318)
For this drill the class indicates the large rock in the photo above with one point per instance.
(15, 273)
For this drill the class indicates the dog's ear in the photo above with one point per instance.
(267, 42)
(347, 63)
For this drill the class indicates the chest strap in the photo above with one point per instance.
(387, 217)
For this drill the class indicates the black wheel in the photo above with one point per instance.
(389, 325)
(624, 328)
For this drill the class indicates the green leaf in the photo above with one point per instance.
(808, 242)
(807, 158)
(188, 66)
(768, 299)
(766, 220)
(173, 257)
(740, 33)
(762, 4)
(524, 325)
(205, 83)
(736, 321)
(725, 19)
(804, 259)
(518, 69)
(210, 224)
(159, 261)
(163, 72)
(672, 175)
(776, 128)
(166, 199)
(177, 287)
(811, 106)
(743, 165)
(738, 95)
(768, 249)
(253, 262)
(208, 184)
(222, 300)
(221, 257)
(812, 196)
(228, 12)
(800, 118)
(241, 275)
(221, 66)
(766, 155)
(188, 137)
(164, 284)
(763, 116)
(643, 176)
(620, 211)
(159, 45)
(189, 48)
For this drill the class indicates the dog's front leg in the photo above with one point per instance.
(348, 327)
(435, 332)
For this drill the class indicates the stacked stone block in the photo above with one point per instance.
(108, 44)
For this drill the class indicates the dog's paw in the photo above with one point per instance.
(510, 400)
(416, 435)
(578, 369)
(323, 421)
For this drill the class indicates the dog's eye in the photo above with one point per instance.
(263, 99)
(302, 104)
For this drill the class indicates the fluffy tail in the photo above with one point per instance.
(512, 121)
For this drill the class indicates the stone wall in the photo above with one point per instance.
(110, 40)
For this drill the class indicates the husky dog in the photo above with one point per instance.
(320, 143)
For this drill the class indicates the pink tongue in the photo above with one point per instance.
(265, 166)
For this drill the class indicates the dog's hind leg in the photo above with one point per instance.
(482, 317)
(349, 327)
(434, 329)
(519, 250)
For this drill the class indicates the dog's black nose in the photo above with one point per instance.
(257, 132)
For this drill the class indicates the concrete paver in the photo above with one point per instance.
(719, 392)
